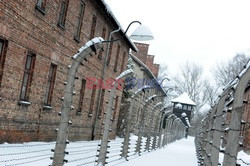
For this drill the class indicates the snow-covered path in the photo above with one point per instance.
(179, 153)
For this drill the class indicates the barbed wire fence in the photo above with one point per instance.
(220, 137)
(82, 152)
(79, 149)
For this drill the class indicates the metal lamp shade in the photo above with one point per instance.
(142, 33)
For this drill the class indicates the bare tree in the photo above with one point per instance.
(211, 92)
(224, 72)
(163, 71)
(190, 80)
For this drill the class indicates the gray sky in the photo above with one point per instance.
(202, 31)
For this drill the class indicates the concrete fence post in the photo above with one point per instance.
(157, 129)
(62, 135)
(107, 123)
(129, 122)
(150, 128)
(142, 123)
(218, 127)
(209, 138)
(232, 145)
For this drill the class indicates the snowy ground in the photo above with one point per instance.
(179, 153)
(83, 153)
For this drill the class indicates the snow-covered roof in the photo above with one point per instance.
(183, 99)
(112, 16)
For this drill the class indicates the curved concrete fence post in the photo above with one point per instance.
(218, 127)
(62, 135)
(209, 137)
(129, 123)
(107, 123)
(232, 145)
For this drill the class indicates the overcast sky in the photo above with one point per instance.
(202, 31)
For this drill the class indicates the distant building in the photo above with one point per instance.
(183, 107)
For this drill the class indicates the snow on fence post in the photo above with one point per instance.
(232, 145)
(104, 142)
(218, 127)
(168, 128)
(209, 138)
(127, 130)
(204, 136)
(142, 123)
(173, 131)
(209, 145)
(59, 151)
(156, 130)
(154, 123)
(200, 141)
(163, 141)
(129, 123)
(149, 130)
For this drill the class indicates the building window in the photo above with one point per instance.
(110, 51)
(63, 13)
(93, 26)
(103, 36)
(51, 83)
(80, 19)
(116, 105)
(40, 5)
(92, 101)
(27, 77)
(123, 61)
(102, 104)
(117, 57)
(3, 49)
(82, 92)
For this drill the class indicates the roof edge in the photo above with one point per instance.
(146, 67)
(112, 16)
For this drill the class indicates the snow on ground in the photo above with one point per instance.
(179, 153)
(83, 153)
(243, 158)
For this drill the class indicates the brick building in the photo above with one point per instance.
(147, 59)
(143, 76)
(37, 40)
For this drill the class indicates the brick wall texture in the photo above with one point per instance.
(148, 60)
(27, 29)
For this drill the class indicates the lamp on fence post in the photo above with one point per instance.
(143, 34)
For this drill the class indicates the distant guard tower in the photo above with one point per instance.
(183, 107)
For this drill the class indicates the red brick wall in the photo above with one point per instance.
(148, 60)
(27, 29)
